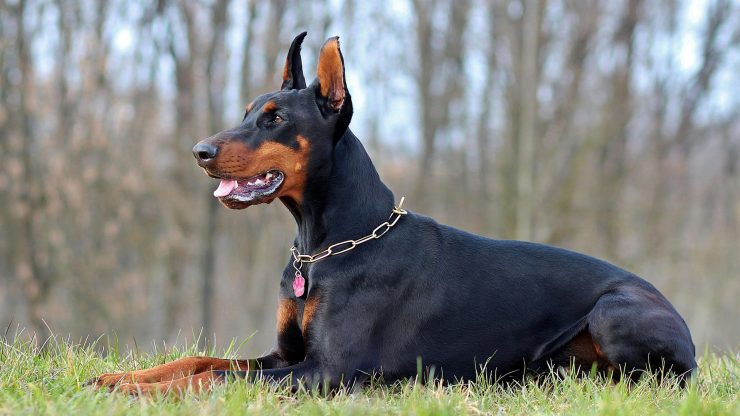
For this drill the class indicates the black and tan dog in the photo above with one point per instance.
(396, 287)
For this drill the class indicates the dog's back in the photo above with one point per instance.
(460, 301)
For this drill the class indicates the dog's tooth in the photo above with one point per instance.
(259, 182)
(269, 175)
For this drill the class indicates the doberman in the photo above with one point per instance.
(395, 288)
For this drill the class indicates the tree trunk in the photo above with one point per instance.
(527, 122)
(216, 76)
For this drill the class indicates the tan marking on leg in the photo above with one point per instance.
(584, 351)
(309, 311)
(286, 315)
(197, 383)
(182, 367)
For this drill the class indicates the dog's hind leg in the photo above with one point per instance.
(637, 329)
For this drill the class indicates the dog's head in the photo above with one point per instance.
(286, 138)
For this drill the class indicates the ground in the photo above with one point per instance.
(50, 381)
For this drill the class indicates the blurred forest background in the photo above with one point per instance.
(607, 127)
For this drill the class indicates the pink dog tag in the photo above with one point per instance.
(299, 284)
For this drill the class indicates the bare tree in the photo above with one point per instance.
(618, 114)
(30, 249)
(437, 80)
(216, 76)
(527, 120)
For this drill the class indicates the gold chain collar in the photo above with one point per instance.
(345, 246)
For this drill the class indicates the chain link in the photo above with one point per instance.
(345, 246)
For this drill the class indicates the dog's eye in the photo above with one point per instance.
(272, 119)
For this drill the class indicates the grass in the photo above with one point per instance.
(50, 381)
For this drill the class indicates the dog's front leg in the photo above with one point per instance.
(196, 383)
(306, 373)
(183, 367)
(186, 367)
(290, 349)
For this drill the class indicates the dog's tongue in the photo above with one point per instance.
(224, 188)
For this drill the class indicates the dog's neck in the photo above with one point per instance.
(348, 205)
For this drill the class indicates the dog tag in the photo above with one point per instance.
(299, 284)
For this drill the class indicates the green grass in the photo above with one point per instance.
(50, 381)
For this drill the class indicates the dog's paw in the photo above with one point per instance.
(108, 380)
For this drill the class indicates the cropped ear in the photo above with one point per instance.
(332, 86)
(293, 70)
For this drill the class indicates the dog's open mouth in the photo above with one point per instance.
(250, 189)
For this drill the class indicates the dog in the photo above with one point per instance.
(371, 288)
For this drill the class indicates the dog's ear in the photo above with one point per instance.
(332, 86)
(332, 94)
(293, 70)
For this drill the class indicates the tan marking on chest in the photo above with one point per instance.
(286, 314)
(309, 312)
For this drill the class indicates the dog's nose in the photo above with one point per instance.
(205, 151)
